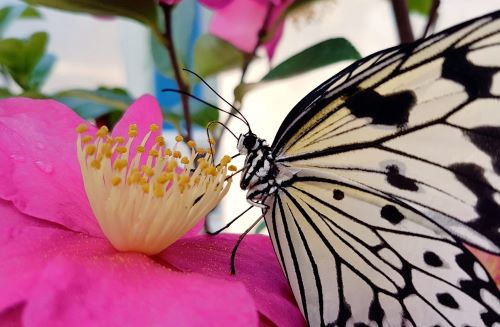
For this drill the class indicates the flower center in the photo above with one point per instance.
(147, 201)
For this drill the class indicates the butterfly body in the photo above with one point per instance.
(377, 178)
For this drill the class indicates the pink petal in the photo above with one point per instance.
(71, 279)
(256, 266)
(239, 23)
(130, 290)
(215, 4)
(41, 175)
(27, 244)
(143, 112)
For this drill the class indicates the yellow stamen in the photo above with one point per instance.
(232, 168)
(179, 138)
(146, 201)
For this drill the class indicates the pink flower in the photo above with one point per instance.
(58, 268)
(490, 262)
(170, 2)
(239, 22)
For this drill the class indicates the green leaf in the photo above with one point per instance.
(204, 115)
(5, 93)
(319, 55)
(10, 13)
(21, 57)
(91, 104)
(41, 71)
(213, 55)
(420, 6)
(143, 11)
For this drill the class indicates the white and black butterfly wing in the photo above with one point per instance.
(420, 123)
(395, 162)
(358, 258)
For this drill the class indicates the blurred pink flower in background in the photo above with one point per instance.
(58, 269)
(490, 262)
(239, 22)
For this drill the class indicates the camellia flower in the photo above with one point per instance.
(77, 258)
(239, 22)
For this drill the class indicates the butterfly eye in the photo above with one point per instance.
(249, 141)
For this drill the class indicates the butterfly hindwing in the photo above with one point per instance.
(347, 255)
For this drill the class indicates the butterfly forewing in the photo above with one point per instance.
(424, 128)
(395, 162)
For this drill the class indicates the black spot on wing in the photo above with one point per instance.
(338, 195)
(432, 259)
(487, 223)
(391, 109)
(447, 300)
(397, 180)
(487, 138)
(391, 214)
(476, 80)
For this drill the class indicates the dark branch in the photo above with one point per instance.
(402, 16)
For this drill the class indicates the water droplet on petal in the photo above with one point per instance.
(39, 145)
(17, 157)
(44, 166)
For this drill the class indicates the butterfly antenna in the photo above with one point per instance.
(217, 94)
(227, 225)
(223, 125)
(242, 236)
(206, 103)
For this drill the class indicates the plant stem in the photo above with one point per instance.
(261, 34)
(402, 15)
(167, 41)
(433, 15)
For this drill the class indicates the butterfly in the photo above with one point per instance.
(379, 176)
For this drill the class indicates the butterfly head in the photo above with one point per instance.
(249, 142)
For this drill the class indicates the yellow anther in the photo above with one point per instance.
(140, 149)
(116, 180)
(202, 163)
(148, 171)
(95, 164)
(90, 149)
(134, 177)
(211, 171)
(145, 187)
(160, 140)
(191, 144)
(177, 154)
(232, 168)
(82, 128)
(102, 132)
(210, 151)
(164, 177)
(171, 166)
(158, 190)
(185, 160)
(153, 127)
(86, 139)
(179, 138)
(153, 153)
(168, 152)
(201, 150)
(225, 160)
(119, 140)
(119, 164)
(132, 130)
(211, 140)
(121, 149)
